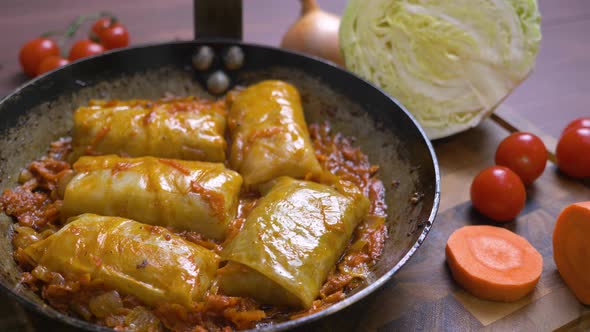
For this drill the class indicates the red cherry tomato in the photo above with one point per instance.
(114, 37)
(34, 51)
(51, 63)
(573, 152)
(498, 193)
(100, 24)
(83, 48)
(525, 154)
(577, 123)
(111, 34)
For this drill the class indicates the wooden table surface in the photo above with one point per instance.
(553, 95)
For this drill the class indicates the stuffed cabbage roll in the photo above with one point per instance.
(146, 261)
(184, 195)
(269, 134)
(188, 128)
(290, 241)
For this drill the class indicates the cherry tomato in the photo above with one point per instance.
(51, 63)
(525, 154)
(110, 34)
(573, 152)
(100, 24)
(114, 37)
(498, 193)
(34, 51)
(577, 123)
(83, 48)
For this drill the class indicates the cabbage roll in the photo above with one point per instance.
(184, 195)
(290, 241)
(269, 134)
(188, 128)
(146, 261)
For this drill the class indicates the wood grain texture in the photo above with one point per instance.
(422, 295)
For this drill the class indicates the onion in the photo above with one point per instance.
(142, 319)
(315, 33)
(81, 310)
(105, 304)
(42, 273)
(24, 237)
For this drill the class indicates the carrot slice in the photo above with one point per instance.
(571, 249)
(492, 263)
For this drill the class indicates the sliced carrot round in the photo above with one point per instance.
(493, 263)
(571, 249)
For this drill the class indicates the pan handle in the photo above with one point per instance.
(218, 19)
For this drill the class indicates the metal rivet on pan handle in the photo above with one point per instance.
(218, 82)
(203, 58)
(233, 58)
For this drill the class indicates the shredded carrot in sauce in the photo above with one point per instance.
(215, 200)
(59, 149)
(31, 209)
(247, 203)
(178, 166)
(256, 135)
(121, 167)
(35, 206)
(34, 203)
(201, 240)
(264, 133)
(240, 312)
(100, 135)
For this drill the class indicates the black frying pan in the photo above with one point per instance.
(40, 111)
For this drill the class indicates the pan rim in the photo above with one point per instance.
(368, 289)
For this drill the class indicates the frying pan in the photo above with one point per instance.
(40, 111)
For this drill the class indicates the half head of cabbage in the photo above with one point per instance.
(449, 62)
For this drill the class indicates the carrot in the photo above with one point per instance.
(492, 263)
(571, 249)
